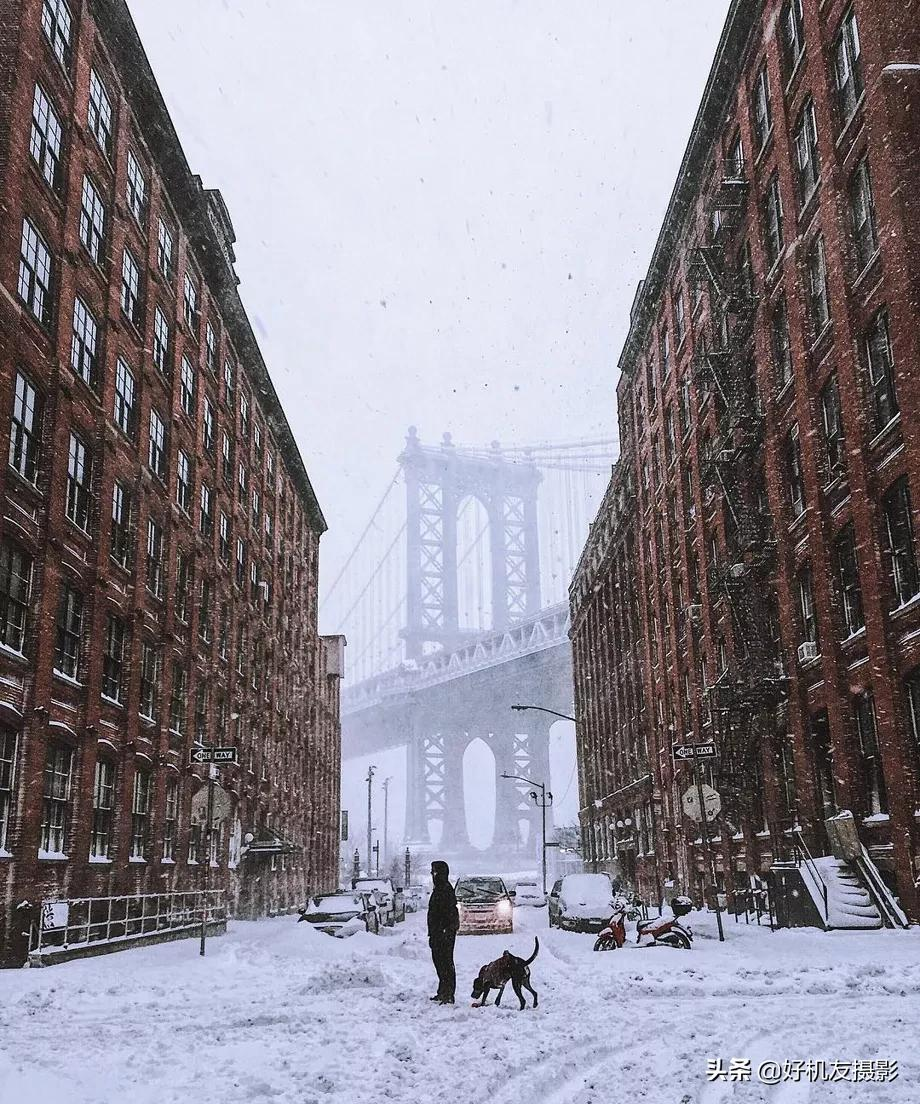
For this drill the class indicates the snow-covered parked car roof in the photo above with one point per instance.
(336, 902)
(590, 888)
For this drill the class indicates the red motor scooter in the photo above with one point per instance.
(613, 936)
(668, 930)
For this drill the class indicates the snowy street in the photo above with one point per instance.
(279, 1012)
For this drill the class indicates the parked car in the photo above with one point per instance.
(529, 893)
(485, 906)
(392, 902)
(343, 914)
(416, 897)
(581, 902)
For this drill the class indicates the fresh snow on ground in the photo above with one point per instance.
(278, 1012)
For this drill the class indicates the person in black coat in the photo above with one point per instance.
(443, 922)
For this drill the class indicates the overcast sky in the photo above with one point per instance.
(442, 210)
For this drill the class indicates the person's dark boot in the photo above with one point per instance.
(436, 997)
(445, 1000)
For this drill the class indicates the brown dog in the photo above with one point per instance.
(497, 974)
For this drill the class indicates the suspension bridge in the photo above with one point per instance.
(454, 601)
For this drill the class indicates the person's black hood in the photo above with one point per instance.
(440, 873)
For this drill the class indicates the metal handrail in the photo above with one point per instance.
(802, 847)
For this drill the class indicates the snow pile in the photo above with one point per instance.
(278, 1012)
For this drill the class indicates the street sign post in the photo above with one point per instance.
(222, 756)
(214, 757)
(707, 805)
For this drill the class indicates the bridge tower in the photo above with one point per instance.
(437, 481)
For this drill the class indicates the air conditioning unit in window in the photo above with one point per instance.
(695, 614)
(808, 651)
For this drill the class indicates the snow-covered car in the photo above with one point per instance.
(485, 906)
(416, 897)
(581, 902)
(343, 914)
(529, 893)
(392, 903)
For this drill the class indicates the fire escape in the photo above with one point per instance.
(746, 700)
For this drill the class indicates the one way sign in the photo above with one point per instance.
(213, 755)
(694, 751)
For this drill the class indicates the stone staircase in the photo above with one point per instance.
(849, 904)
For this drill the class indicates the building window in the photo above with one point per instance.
(899, 528)
(103, 810)
(824, 763)
(809, 620)
(257, 440)
(35, 273)
(187, 387)
(84, 347)
(45, 139)
(205, 519)
(136, 188)
(155, 558)
(208, 426)
(204, 612)
(179, 701)
(807, 161)
(92, 220)
(793, 35)
(183, 585)
(832, 422)
(226, 457)
(183, 481)
(156, 445)
(8, 747)
(140, 814)
(849, 590)
(25, 429)
(69, 635)
(99, 114)
(57, 24)
(240, 561)
(190, 304)
(244, 413)
(862, 210)
(113, 659)
(130, 288)
(773, 222)
(15, 592)
(817, 286)
(794, 475)
(664, 348)
(229, 378)
(242, 482)
(150, 681)
(160, 342)
(912, 702)
(171, 821)
(164, 249)
(782, 348)
(760, 108)
(79, 483)
(121, 524)
(210, 348)
(194, 843)
(224, 538)
(848, 67)
(876, 796)
(55, 799)
(223, 630)
(880, 365)
(125, 398)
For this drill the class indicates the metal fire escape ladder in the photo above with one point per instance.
(745, 698)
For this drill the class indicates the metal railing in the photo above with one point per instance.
(804, 856)
(89, 921)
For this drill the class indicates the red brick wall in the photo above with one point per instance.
(281, 709)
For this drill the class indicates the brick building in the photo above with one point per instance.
(159, 534)
(769, 481)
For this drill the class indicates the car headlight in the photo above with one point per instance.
(504, 908)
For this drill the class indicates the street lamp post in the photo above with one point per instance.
(386, 799)
(369, 780)
(543, 709)
(546, 799)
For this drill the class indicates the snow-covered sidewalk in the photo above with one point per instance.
(279, 1012)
